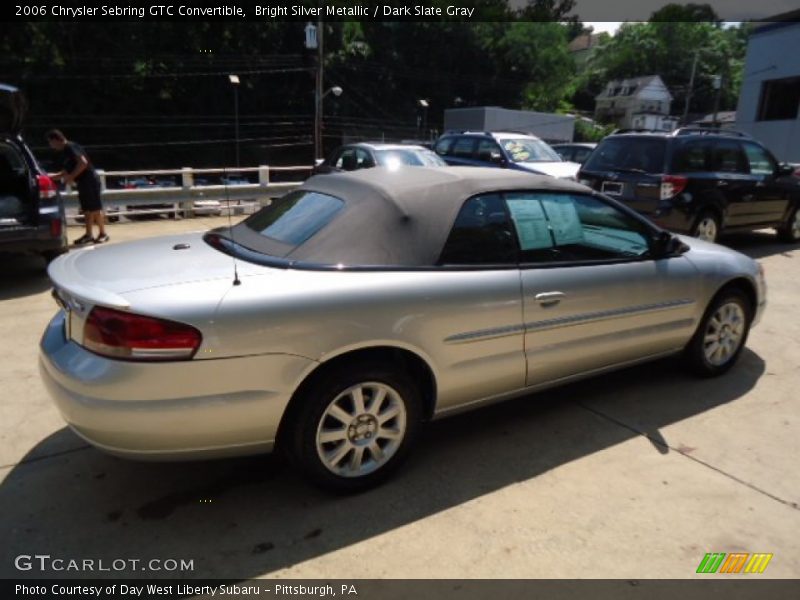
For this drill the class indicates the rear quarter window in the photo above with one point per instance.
(295, 217)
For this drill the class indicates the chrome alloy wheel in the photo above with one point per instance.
(706, 229)
(724, 334)
(361, 429)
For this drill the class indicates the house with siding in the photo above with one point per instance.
(637, 103)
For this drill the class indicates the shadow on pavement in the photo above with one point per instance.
(758, 244)
(22, 275)
(247, 517)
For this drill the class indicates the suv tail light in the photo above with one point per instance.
(56, 228)
(672, 185)
(129, 336)
(47, 188)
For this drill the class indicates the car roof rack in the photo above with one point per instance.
(701, 130)
(638, 130)
(488, 133)
(466, 131)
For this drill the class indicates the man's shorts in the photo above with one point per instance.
(89, 193)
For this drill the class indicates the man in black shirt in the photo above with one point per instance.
(77, 168)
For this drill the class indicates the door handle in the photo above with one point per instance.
(722, 183)
(549, 298)
(760, 184)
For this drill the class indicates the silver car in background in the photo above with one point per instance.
(337, 320)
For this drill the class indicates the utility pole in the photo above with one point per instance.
(690, 90)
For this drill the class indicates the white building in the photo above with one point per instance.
(769, 100)
(638, 103)
(547, 126)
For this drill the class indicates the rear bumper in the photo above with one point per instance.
(31, 239)
(169, 411)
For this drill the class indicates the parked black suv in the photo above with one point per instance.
(31, 211)
(698, 181)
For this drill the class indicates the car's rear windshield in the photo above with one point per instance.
(295, 217)
(644, 154)
(415, 158)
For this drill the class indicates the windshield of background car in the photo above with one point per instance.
(527, 150)
(644, 154)
(414, 158)
(295, 217)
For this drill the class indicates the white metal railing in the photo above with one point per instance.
(187, 195)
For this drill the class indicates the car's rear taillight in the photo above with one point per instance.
(672, 185)
(47, 188)
(128, 336)
(55, 228)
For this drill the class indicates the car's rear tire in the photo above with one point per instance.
(707, 227)
(721, 335)
(353, 426)
(50, 255)
(789, 232)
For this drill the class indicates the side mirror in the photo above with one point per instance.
(785, 170)
(663, 244)
(497, 158)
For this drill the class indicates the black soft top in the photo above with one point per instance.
(393, 217)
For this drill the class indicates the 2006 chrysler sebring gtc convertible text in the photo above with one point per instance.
(368, 302)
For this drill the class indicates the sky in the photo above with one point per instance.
(607, 26)
(612, 26)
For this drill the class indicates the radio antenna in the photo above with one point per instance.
(236, 280)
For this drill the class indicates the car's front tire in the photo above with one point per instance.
(354, 426)
(721, 335)
(789, 232)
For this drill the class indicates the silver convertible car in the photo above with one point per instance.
(335, 321)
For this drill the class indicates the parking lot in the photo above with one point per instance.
(636, 474)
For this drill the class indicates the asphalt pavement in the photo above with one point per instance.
(636, 474)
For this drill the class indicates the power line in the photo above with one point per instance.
(162, 75)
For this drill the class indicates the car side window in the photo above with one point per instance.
(486, 148)
(363, 159)
(482, 234)
(443, 146)
(727, 157)
(691, 157)
(347, 160)
(463, 147)
(580, 155)
(556, 227)
(760, 161)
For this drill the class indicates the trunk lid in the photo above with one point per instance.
(104, 274)
(628, 167)
(640, 191)
(12, 109)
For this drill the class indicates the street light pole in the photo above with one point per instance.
(234, 79)
(318, 94)
(423, 103)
